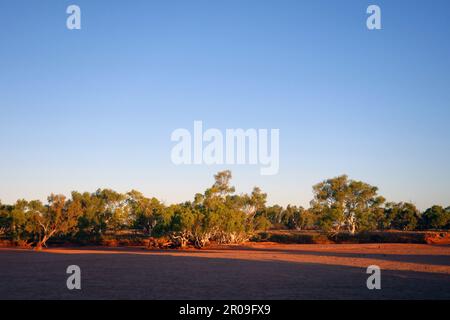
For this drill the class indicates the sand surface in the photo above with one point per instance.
(254, 271)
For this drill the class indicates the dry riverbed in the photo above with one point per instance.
(252, 271)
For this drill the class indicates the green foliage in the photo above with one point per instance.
(403, 216)
(347, 204)
(5, 220)
(297, 218)
(145, 213)
(218, 214)
(58, 217)
(262, 223)
(274, 214)
(435, 217)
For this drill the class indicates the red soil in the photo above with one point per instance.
(253, 271)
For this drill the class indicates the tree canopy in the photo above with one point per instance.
(218, 214)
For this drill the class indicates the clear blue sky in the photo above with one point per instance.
(95, 108)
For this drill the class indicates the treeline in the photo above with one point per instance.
(218, 214)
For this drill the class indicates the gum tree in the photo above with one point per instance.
(57, 217)
(5, 219)
(403, 215)
(344, 204)
(435, 217)
(146, 213)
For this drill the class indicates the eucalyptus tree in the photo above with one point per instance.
(344, 204)
(5, 219)
(402, 216)
(435, 217)
(145, 213)
(297, 218)
(59, 216)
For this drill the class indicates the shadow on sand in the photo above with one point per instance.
(133, 275)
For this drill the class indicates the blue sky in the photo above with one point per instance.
(95, 107)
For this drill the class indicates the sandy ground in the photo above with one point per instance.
(254, 271)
